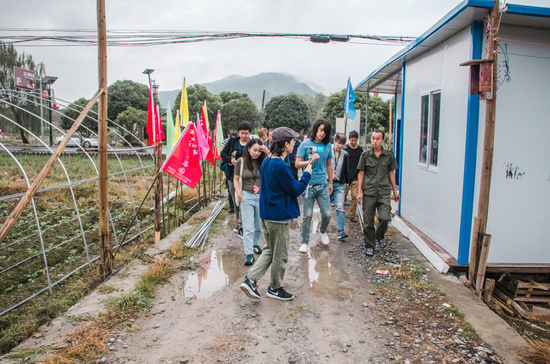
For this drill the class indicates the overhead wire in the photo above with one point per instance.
(141, 38)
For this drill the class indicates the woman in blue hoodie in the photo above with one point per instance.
(278, 205)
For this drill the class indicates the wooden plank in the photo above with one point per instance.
(532, 299)
(474, 247)
(533, 284)
(482, 264)
(521, 311)
(488, 290)
(476, 61)
(18, 210)
(504, 306)
(541, 313)
(507, 300)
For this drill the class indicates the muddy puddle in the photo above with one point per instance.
(324, 275)
(218, 269)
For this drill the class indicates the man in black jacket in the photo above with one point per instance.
(233, 150)
(340, 181)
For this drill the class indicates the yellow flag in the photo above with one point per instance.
(177, 131)
(184, 106)
(206, 116)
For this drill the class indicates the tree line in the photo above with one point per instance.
(128, 101)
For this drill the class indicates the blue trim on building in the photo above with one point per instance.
(528, 10)
(434, 29)
(470, 158)
(401, 134)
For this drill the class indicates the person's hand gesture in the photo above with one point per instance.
(309, 169)
(314, 158)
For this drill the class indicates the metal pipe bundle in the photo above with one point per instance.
(198, 239)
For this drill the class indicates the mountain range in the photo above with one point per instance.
(273, 83)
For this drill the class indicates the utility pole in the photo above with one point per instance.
(106, 251)
(479, 249)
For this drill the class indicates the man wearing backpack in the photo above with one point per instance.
(233, 150)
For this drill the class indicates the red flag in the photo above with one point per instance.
(154, 124)
(183, 162)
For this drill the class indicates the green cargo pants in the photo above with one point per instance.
(370, 205)
(275, 254)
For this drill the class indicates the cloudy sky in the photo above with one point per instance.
(327, 65)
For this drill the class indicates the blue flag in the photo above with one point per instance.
(349, 108)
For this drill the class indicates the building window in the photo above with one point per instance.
(429, 129)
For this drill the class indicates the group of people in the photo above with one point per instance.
(263, 184)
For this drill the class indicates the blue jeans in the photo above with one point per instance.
(320, 194)
(337, 198)
(252, 224)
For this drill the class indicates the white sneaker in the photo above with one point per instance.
(324, 239)
(303, 248)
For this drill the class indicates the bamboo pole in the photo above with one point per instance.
(106, 250)
(488, 146)
(18, 210)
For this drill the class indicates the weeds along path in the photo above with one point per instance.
(343, 312)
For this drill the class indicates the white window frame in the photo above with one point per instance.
(429, 152)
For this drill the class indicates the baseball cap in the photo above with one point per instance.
(283, 133)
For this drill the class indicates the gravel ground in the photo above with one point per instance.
(347, 310)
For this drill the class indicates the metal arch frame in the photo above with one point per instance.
(68, 178)
(68, 106)
(66, 175)
(35, 216)
(116, 155)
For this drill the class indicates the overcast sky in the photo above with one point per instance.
(327, 65)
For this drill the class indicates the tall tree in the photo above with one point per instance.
(126, 93)
(9, 58)
(238, 110)
(134, 120)
(196, 95)
(73, 111)
(378, 110)
(287, 110)
(314, 105)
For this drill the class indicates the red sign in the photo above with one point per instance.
(24, 78)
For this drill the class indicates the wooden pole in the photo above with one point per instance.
(482, 265)
(18, 210)
(158, 192)
(488, 145)
(488, 290)
(390, 136)
(106, 250)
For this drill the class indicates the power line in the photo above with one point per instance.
(143, 38)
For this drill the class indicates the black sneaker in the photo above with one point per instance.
(250, 289)
(279, 294)
(249, 259)
(240, 233)
(232, 211)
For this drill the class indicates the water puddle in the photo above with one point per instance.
(324, 275)
(217, 271)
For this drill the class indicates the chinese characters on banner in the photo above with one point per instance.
(183, 163)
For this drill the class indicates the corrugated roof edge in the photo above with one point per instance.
(434, 29)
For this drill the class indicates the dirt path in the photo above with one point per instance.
(342, 313)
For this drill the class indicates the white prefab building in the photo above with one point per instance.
(439, 128)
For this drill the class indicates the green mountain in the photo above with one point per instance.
(273, 83)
